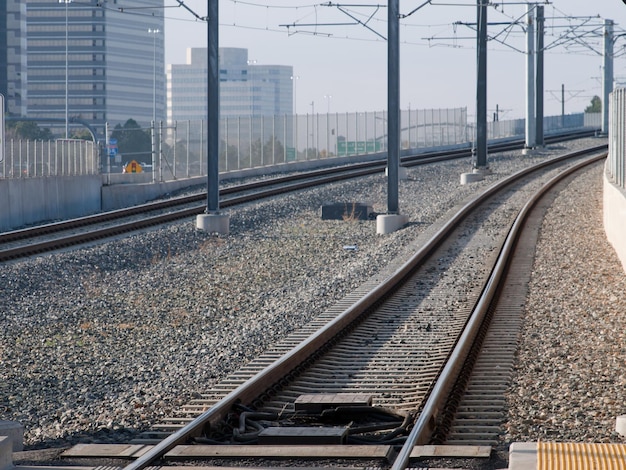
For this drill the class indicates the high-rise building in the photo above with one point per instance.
(13, 56)
(246, 89)
(102, 62)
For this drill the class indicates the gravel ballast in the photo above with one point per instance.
(570, 382)
(98, 343)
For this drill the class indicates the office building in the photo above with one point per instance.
(97, 61)
(246, 89)
(13, 56)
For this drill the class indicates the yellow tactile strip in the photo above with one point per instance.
(577, 456)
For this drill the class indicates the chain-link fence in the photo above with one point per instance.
(39, 158)
(261, 141)
(178, 150)
(250, 142)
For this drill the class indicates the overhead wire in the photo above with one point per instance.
(580, 35)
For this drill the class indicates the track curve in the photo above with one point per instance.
(267, 376)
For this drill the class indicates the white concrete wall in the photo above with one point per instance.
(127, 189)
(25, 201)
(614, 209)
(118, 196)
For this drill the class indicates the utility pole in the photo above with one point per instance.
(481, 89)
(393, 104)
(212, 221)
(213, 107)
(539, 77)
(607, 84)
(392, 220)
(531, 128)
(562, 104)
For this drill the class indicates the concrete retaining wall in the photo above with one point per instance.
(118, 196)
(125, 190)
(28, 201)
(38, 200)
(614, 209)
(34, 200)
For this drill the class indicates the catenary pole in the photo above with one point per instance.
(393, 104)
(607, 84)
(539, 74)
(562, 104)
(213, 107)
(531, 128)
(481, 88)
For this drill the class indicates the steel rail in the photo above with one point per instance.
(344, 172)
(424, 426)
(276, 186)
(318, 340)
(352, 171)
(100, 233)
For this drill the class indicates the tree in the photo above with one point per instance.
(274, 145)
(29, 130)
(133, 142)
(595, 106)
(231, 153)
(82, 134)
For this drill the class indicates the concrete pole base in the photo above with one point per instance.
(467, 178)
(14, 431)
(620, 425)
(388, 223)
(528, 151)
(213, 223)
(402, 173)
(482, 171)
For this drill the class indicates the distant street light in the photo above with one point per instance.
(295, 79)
(154, 33)
(67, 115)
(328, 98)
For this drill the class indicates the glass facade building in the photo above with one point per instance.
(246, 89)
(13, 56)
(102, 62)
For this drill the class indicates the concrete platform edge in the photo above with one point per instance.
(523, 456)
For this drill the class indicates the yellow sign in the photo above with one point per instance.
(133, 167)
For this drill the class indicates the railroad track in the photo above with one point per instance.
(476, 409)
(376, 376)
(59, 235)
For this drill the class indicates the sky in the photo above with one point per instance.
(339, 52)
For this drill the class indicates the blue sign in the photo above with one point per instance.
(112, 147)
